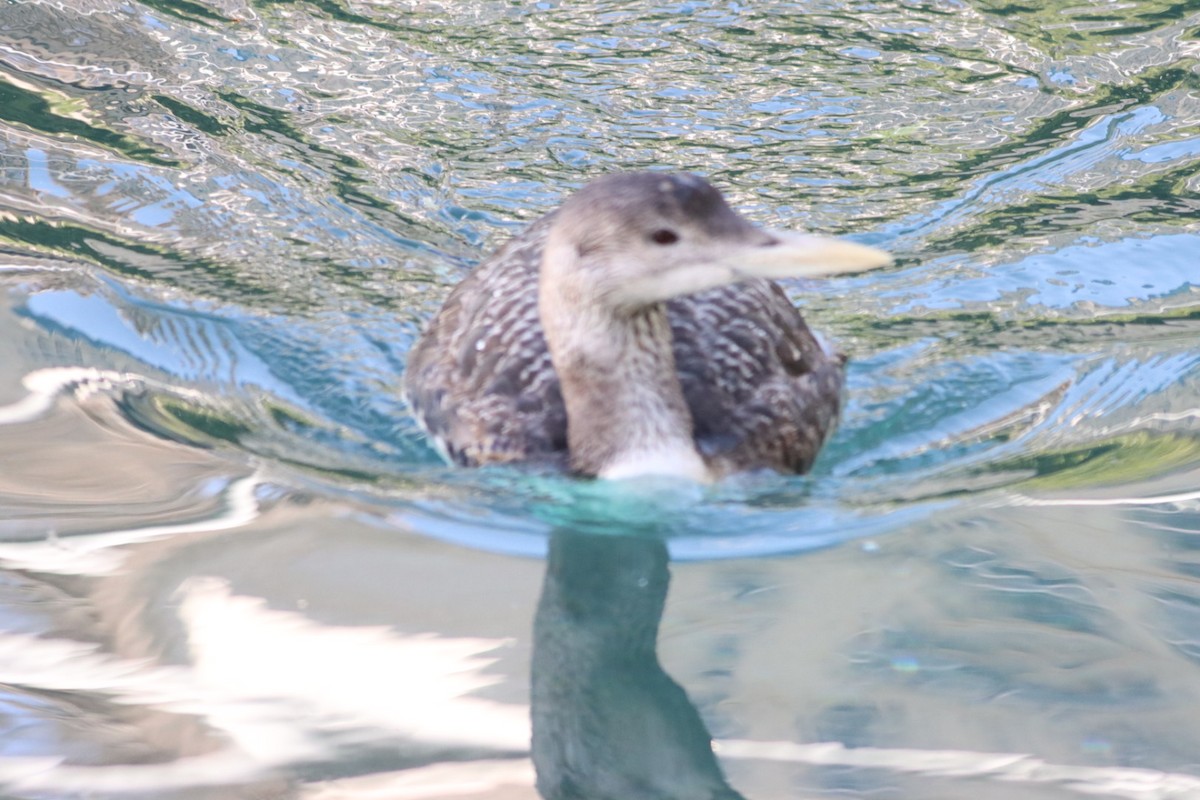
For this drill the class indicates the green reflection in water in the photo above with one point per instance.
(131, 259)
(1152, 199)
(986, 332)
(1083, 29)
(50, 114)
(1055, 129)
(1127, 459)
(193, 116)
(186, 11)
(335, 11)
(246, 427)
(347, 172)
(194, 424)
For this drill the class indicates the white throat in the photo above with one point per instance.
(674, 460)
(626, 413)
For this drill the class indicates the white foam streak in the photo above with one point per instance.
(280, 688)
(279, 685)
(1132, 784)
(485, 778)
(415, 686)
(1156, 500)
(45, 385)
(223, 768)
(96, 554)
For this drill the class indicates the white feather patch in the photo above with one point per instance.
(666, 460)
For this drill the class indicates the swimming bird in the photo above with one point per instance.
(635, 331)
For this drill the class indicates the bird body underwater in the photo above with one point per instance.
(635, 331)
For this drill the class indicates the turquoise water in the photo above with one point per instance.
(231, 567)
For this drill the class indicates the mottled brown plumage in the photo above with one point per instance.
(760, 390)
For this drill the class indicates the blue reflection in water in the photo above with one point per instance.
(1116, 274)
(187, 344)
(38, 175)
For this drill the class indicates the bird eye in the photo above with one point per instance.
(664, 236)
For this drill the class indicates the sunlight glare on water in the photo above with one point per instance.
(230, 565)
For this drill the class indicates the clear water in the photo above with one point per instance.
(230, 567)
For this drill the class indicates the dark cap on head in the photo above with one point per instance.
(647, 200)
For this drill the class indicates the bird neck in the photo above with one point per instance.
(626, 414)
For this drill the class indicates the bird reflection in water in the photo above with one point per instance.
(608, 722)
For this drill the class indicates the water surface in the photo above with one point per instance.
(230, 566)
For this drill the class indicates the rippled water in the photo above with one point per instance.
(231, 567)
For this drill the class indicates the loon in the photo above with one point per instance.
(635, 331)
